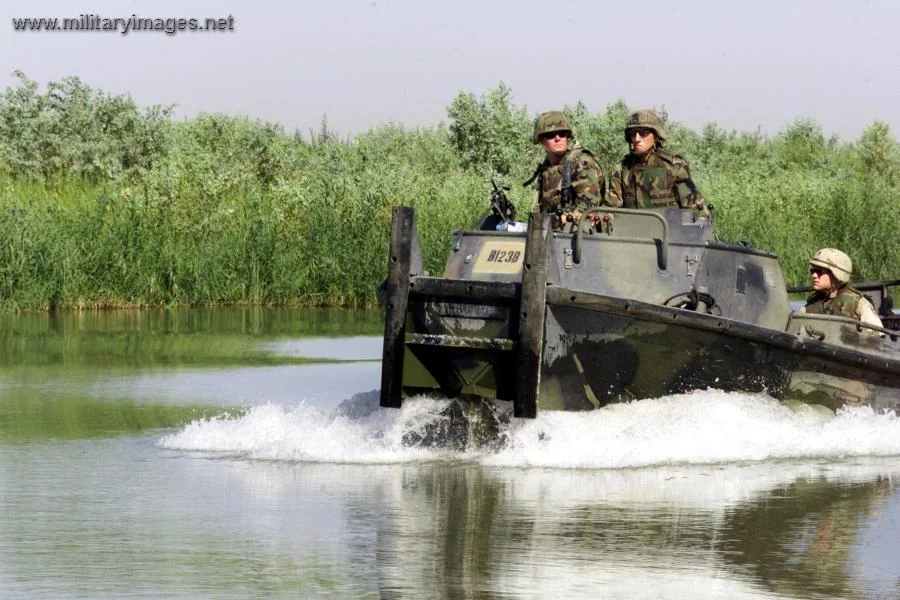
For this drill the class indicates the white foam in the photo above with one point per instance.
(704, 427)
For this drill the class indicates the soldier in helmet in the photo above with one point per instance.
(650, 176)
(830, 271)
(569, 179)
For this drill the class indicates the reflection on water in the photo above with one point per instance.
(102, 373)
(534, 538)
(799, 538)
(357, 348)
(241, 454)
(198, 526)
(24, 417)
(201, 336)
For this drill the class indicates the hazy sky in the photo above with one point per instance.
(365, 62)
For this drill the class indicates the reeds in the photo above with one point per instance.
(229, 210)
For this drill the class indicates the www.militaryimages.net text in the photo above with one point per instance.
(123, 25)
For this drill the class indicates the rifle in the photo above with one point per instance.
(501, 206)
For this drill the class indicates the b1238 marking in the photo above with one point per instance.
(500, 257)
(504, 256)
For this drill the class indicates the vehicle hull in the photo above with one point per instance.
(600, 350)
(552, 321)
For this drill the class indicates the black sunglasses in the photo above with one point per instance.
(641, 131)
(553, 134)
(819, 271)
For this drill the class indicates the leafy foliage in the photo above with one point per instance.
(105, 204)
(75, 130)
(489, 132)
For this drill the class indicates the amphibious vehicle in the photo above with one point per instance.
(649, 305)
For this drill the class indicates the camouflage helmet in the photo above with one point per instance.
(835, 261)
(548, 122)
(645, 118)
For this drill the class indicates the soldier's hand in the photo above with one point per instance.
(576, 214)
(595, 217)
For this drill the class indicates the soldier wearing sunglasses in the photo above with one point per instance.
(569, 179)
(650, 176)
(830, 271)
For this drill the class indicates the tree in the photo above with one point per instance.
(74, 129)
(490, 131)
(877, 151)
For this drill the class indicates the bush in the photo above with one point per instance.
(105, 204)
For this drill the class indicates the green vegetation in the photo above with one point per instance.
(105, 204)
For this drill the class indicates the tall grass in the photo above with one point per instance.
(144, 210)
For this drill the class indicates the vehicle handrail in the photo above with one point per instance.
(893, 334)
(663, 257)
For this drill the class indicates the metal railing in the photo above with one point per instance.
(663, 257)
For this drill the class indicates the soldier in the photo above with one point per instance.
(569, 179)
(830, 271)
(650, 176)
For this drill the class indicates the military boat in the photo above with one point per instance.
(649, 305)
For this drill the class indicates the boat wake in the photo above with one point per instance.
(702, 427)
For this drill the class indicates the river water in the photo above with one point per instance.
(241, 453)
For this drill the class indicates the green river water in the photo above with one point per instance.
(240, 453)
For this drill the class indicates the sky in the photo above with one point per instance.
(363, 63)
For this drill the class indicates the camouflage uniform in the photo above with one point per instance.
(575, 183)
(848, 303)
(657, 179)
(587, 185)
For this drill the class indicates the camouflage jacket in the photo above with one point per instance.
(848, 303)
(586, 183)
(658, 179)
